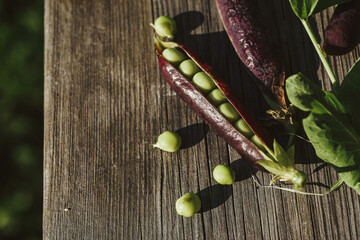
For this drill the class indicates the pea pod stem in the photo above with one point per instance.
(333, 188)
(319, 51)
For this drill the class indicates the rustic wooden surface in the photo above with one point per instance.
(106, 103)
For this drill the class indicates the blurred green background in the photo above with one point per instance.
(21, 118)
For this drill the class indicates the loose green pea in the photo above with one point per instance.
(173, 56)
(224, 175)
(188, 68)
(242, 127)
(255, 139)
(188, 204)
(168, 141)
(216, 97)
(202, 81)
(229, 112)
(165, 27)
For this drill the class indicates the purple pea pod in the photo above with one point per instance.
(198, 102)
(342, 34)
(246, 33)
(254, 144)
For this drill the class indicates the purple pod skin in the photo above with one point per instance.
(343, 31)
(241, 23)
(210, 114)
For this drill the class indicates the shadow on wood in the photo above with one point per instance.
(189, 21)
(214, 47)
(242, 170)
(213, 196)
(192, 134)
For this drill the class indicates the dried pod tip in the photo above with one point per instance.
(165, 27)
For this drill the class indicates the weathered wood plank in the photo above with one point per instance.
(106, 102)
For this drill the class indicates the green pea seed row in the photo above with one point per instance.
(207, 86)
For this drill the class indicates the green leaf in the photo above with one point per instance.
(348, 94)
(281, 156)
(291, 154)
(281, 164)
(328, 127)
(273, 167)
(335, 145)
(336, 185)
(307, 96)
(304, 8)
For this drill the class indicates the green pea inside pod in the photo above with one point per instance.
(173, 56)
(165, 27)
(216, 97)
(188, 204)
(189, 68)
(168, 141)
(244, 128)
(203, 82)
(229, 112)
(255, 139)
(224, 175)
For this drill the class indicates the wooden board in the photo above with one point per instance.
(106, 103)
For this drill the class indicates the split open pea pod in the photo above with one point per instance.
(221, 109)
(213, 100)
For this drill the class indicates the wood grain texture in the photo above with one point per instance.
(106, 103)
